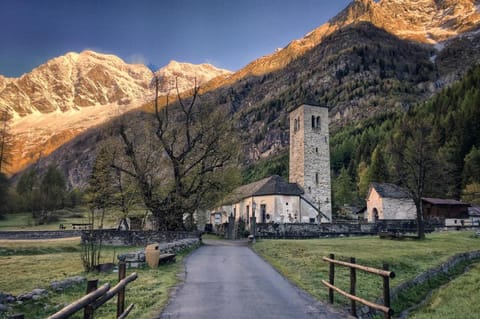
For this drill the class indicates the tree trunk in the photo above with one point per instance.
(420, 221)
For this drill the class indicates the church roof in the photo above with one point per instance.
(386, 190)
(273, 185)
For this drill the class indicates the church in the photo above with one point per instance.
(306, 197)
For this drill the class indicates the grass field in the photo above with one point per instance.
(79, 215)
(301, 260)
(26, 265)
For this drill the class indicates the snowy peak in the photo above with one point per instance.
(428, 21)
(186, 74)
(71, 93)
(73, 81)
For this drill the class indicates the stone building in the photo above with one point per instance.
(389, 201)
(310, 155)
(306, 198)
(271, 199)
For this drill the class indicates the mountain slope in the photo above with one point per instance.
(425, 21)
(353, 64)
(72, 93)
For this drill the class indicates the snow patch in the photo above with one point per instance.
(439, 46)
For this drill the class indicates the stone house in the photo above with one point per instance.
(389, 201)
(269, 200)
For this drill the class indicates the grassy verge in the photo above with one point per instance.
(301, 260)
(457, 299)
(29, 265)
(67, 217)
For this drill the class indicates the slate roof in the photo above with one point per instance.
(273, 185)
(474, 211)
(440, 201)
(386, 190)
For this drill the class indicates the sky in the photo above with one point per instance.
(226, 33)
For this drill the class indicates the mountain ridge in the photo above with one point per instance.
(351, 64)
(76, 91)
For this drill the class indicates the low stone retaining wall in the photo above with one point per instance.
(272, 230)
(367, 313)
(138, 238)
(137, 258)
(443, 268)
(38, 293)
(49, 234)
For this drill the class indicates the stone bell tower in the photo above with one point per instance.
(310, 156)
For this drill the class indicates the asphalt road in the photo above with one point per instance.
(227, 280)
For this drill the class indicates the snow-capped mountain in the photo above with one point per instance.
(185, 75)
(426, 21)
(69, 94)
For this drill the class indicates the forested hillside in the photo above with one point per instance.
(453, 118)
(362, 152)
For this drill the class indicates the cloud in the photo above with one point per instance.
(138, 58)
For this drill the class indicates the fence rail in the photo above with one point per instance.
(96, 297)
(385, 273)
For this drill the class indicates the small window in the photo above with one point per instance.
(316, 150)
(316, 178)
(317, 123)
(286, 203)
(312, 220)
(309, 189)
(295, 125)
(313, 121)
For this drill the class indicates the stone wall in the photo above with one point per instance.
(138, 238)
(368, 313)
(272, 230)
(51, 234)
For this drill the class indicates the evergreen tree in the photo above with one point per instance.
(4, 185)
(52, 189)
(343, 189)
(99, 194)
(28, 190)
(378, 171)
(471, 170)
(363, 180)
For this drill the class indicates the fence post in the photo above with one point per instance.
(331, 278)
(353, 283)
(386, 291)
(122, 270)
(92, 285)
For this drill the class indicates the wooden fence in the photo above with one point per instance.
(385, 273)
(96, 297)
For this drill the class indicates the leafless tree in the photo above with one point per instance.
(5, 140)
(175, 166)
(415, 156)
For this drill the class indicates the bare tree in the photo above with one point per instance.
(415, 156)
(5, 140)
(176, 165)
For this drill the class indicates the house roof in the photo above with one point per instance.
(474, 211)
(386, 190)
(440, 201)
(273, 185)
